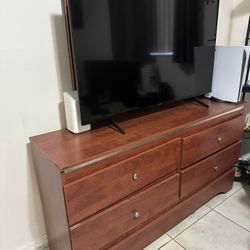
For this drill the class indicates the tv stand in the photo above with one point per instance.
(116, 126)
(101, 190)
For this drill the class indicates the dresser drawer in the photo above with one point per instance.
(203, 144)
(94, 192)
(107, 226)
(206, 170)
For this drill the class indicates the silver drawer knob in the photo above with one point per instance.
(216, 168)
(136, 176)
(219, 139)
(136, 215)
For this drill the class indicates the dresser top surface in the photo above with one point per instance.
(67, 150)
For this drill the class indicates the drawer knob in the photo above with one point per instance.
(136, 176)
(216, 168)
(136, 215)
(219, 139)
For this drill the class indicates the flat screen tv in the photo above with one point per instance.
(127, 55)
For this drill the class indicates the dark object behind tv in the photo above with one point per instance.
(127, 55)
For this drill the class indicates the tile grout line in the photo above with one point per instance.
(224, 201)
(170, 229)
(165, 243)
(236, 191)
(231, 221)
(179, 244)
(211, 209)
(227, 197)
(169, 242)
(190, 224)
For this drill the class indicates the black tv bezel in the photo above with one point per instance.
(66, 7)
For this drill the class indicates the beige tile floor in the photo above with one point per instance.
(223, 223)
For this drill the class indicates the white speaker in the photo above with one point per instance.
(72, 111)
(230, 68)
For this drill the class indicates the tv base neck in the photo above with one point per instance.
(201, 102)
(116, 126)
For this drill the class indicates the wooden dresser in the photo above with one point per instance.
(105, 190)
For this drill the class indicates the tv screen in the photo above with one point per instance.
(130, 54)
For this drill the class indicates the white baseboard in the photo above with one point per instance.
(39, 244)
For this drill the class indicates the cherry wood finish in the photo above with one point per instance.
(207, 170)
(51, 191)
(121, 218)
(97, 166)
(161, 224)
(67, 150)
(123, 179)
(202, 144)
(92, 184)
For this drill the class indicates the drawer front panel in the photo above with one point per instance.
(96, 191)
(201, 145)
(107, 226)
(205, 171)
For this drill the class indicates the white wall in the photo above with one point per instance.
(33, 73)
(240, 16)
(232, 26)
(224, 22)
(232, 22)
